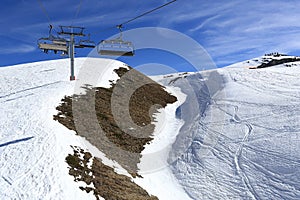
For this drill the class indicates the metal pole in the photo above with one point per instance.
(72, 77)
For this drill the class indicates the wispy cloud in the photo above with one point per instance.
(229, 30)
(23, 48)
(206, 21)
(245, 29)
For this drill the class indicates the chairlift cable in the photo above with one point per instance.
(135, 18)
(146, 13)
(45, 13)
(44, 10)
(77, 12)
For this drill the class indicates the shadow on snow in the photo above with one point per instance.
(16, 141)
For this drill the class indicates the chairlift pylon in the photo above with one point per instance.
(116, 47)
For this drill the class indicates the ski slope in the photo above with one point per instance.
(252, 124)
(233, 134)
(33, 146)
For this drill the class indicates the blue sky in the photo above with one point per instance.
(230, 31)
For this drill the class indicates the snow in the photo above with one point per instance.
(162, 184)
(233, 134)
(33, 147)
(256, 143)
(166, 124)
(97, 72)
(157, 178)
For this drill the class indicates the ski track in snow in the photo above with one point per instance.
(238, 153)
(256, 153)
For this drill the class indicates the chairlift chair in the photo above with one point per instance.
(47, 44)
(116, 47)
(86, 43)
(53, 43)
(56, 45)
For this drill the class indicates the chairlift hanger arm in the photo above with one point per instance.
(71, 30)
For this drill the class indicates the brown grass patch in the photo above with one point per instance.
(101, 180)
(97, 124)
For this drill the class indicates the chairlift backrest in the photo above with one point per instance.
(59, 41)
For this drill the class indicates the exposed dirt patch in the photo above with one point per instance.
(93, 119)
(101, 180)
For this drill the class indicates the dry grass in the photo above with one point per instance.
(101, 180)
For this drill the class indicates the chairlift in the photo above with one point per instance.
(86, 43)
(119, 47)
(53, 43)
(116, 47)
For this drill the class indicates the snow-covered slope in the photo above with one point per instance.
(236, 135)
(251, 127)
(33, 146)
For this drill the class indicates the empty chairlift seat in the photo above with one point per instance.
(115, 47)
(86, 43)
